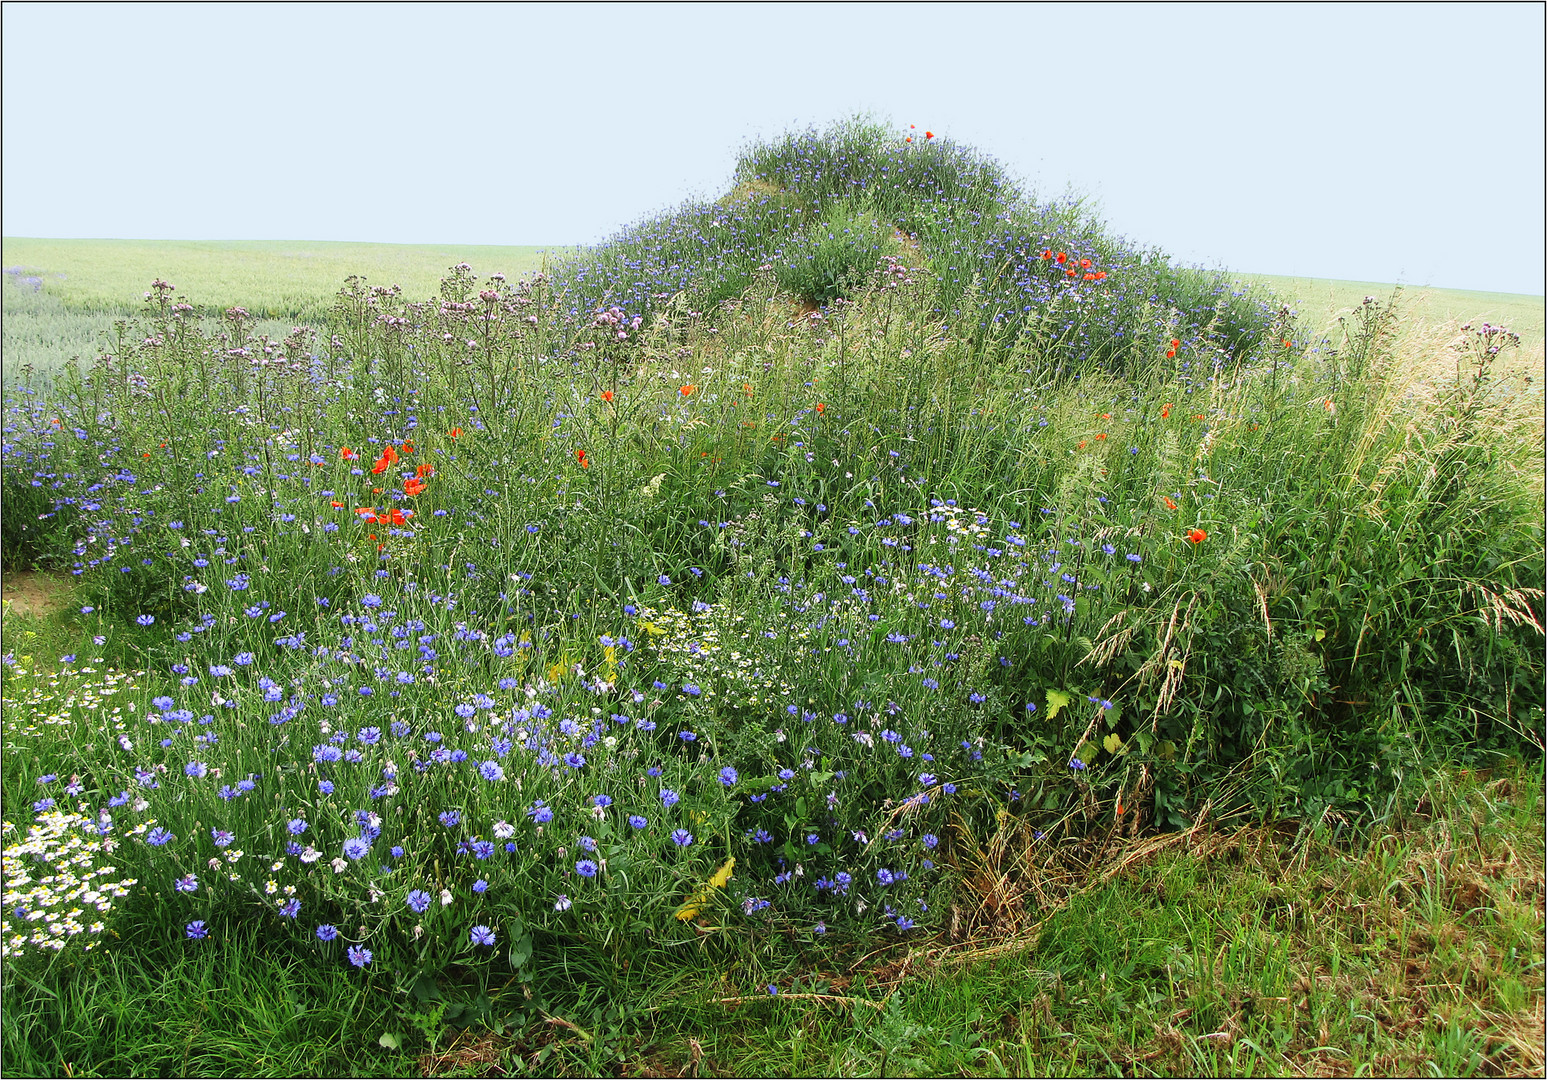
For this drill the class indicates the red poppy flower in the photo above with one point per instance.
(580, 457)
(929, 134)
(908, 139)
(413, 486)
(408, 446)
(1072, 273)
(455, 432)
(347, 454)
(1061, 258)
(1197, 536)
(1084, 264)
(1169, 504)
(425, 470)
(388, 457)
(1101, 275)
(1047, 253)
(606, 395)
(687, 391)
(820, 408)
(1165, 410)
(1170, 354)
(1175, 344)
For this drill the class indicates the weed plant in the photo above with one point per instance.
(595, 616)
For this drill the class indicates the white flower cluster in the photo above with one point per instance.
(51, 879)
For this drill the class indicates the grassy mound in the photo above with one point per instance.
(615, 611)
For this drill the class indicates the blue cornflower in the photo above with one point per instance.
(539, 813)
(296, 826)
(574, 760)
(187, 884)
(681, 837)
(669, 798)
(885, 876)
(728, 776)
(244, 659)
(370, 600)
(481, 935)
(418, 900)
(586, 868)
(601, 801)
(290, 908)
(197, 929)
(327, 932)
(356, 847)
(159, 837)
(450, 818)
(145, 620)
(1076, 764)
(930, 840)
(359, 956)
(638, 821)
(492, 771)
(483, 849)
(480, 885)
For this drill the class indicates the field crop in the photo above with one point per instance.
(840, 571)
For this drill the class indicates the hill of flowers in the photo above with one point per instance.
(550, 612)
(818, 208)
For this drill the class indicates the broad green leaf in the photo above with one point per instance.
(1113, 743)
(391, 1042)
(1057, 699)
(1088, 752)
(520, 951)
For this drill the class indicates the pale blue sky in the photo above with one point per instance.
(1384, 142)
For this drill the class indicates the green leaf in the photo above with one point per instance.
(1113, 743)
(520, 951)
(391, 1042)
(1088, 752)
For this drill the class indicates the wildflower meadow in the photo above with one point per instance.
(832, 568)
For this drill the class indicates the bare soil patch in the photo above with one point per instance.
(31, 592)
